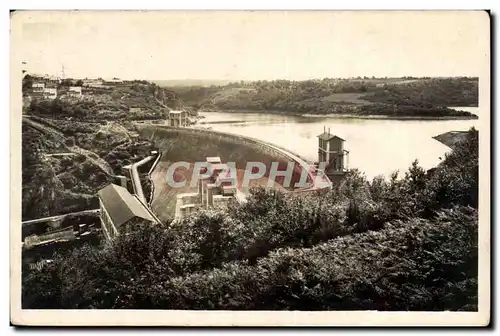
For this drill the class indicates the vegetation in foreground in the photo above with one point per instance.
(406, 243)
(414, 97)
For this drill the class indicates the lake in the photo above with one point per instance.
(376, 146)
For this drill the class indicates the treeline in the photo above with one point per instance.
(437, 91)
(426, 97)
(406, 243)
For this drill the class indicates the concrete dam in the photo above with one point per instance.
(195, 145)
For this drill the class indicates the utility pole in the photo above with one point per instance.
(24, 71)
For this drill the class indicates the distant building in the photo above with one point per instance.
(134, 109)
(50, 93)
(332, 155)
(48, 79)
(113, 81)
(38, 87)
(120, 210)
(75, 91)
(93, 83)
(178, 118)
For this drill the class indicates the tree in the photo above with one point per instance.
(27, 83)
(66, 82)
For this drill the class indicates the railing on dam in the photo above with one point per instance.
(312, 171)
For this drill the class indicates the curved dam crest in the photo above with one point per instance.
(194, 145)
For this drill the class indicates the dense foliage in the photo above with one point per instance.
(406, 243)
(436, 91)
(405, 97)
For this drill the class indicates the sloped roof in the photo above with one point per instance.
(121, 205)
(214, 159)
(328, 136)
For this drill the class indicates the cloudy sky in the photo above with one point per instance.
(252, 45)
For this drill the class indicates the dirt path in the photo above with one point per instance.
(91, 156)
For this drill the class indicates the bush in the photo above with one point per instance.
(412, 265)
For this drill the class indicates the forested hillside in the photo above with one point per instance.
(406, 97)
(406, 243)
(65, 162)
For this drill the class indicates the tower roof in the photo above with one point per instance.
(328, 136)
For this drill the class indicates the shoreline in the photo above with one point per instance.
(451, 138)
(346, 115)
(386, 117)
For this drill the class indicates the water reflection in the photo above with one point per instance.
(377, 146)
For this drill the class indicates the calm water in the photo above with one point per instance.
(377, 147)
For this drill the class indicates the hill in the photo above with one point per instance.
(429, 97)
(190, 82)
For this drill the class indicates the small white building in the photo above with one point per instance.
(114, 81)
(38, 87)
(50, 93)
(93, 83)
(75, 91)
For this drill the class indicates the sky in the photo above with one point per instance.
(251, 45)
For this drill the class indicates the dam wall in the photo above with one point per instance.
(195, 145)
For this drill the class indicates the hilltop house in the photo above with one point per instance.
(75, 91)
(120, 210)
(38, 87)
(93, 83)
(113, 81)
(50, 93)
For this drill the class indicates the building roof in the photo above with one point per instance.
(176, 112)
(213, 159)
(75, 88)
(328, 136)
(121, 205)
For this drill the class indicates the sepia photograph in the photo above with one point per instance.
(250, 168)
